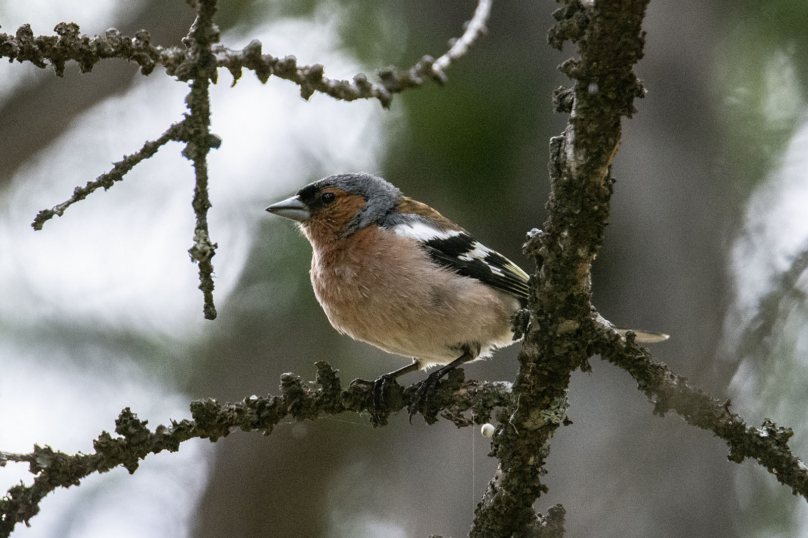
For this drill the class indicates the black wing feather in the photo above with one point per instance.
(466, 256)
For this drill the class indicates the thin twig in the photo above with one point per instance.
(107, 179)
(474, 29)
(201, 69)
(311, 78)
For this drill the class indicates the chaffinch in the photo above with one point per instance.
(393, 272)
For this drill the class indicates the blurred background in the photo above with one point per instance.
(100, 310)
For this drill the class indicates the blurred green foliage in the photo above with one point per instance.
(763, 66)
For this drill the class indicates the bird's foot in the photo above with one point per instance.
(378, 389)
(424, 392)
(378, 413)
(520, 323)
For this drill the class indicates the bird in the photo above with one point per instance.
(393, 272)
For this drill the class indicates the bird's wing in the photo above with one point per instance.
(458, 251)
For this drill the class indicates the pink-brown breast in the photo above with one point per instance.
(383, 289)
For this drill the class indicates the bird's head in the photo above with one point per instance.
(337, 206)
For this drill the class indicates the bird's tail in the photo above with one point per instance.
(644, 337)
(641, 337)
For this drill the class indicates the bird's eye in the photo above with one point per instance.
(328, 197)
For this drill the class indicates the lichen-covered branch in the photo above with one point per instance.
(474, 29)
(768, 445)
(610, 42)
(311, 78)
(69, 45)
(201, 70)
(108, 179)
(198, 66)
(87, 51)
(210, 420)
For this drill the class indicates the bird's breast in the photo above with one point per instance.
(377, 290)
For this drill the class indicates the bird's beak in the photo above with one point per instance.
(291, 208)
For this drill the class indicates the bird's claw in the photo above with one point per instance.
(520, 323)
(377, 390)
(422, 395)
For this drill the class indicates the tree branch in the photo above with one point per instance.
(392, 80)
(474, 29)
(108, 179)
(561, 335)
(68, 45)
(201, 70)
(298, 401)
(768, 445)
